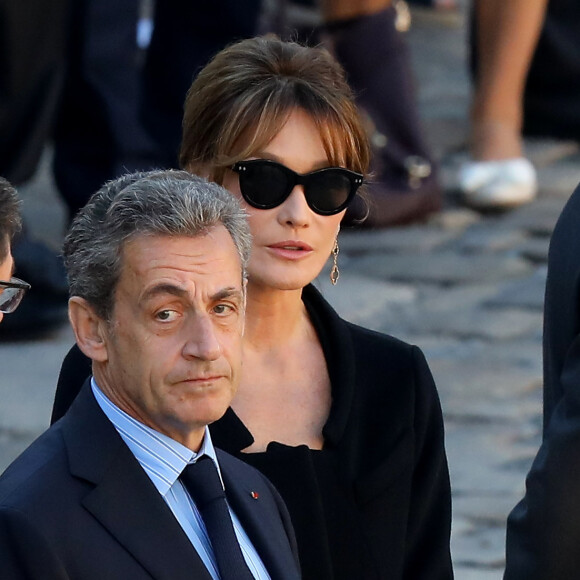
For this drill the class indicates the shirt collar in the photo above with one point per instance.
(162, 458)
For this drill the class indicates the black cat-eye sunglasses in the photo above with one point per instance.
(266, 184)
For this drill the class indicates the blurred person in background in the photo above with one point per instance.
(32, 69)
(526, 59)
(111, 99)
(11, 289)
(505, 36)
(122, 102)
(122, 106)
(366, 39)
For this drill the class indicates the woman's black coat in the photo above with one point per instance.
(375, 502)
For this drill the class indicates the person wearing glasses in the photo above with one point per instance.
(346, 422)
(11, 289)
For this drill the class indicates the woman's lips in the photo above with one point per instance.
(291, 249)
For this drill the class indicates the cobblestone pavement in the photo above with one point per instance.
(468, 289)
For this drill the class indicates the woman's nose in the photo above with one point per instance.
(295, 210)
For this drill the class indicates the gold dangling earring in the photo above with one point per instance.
(334, 273)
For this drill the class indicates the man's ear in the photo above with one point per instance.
(90, 329)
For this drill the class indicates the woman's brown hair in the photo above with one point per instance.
(243, 97)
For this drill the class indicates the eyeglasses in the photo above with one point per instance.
(11, 294)
(266, 184)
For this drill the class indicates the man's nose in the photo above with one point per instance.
(201, 341)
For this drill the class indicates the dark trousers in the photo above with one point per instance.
(121, 109)
(552, 96)
(32, 56)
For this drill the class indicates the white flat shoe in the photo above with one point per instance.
(498, 184)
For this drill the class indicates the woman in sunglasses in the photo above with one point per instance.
(346, 422)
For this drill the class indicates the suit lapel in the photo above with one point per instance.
(123, 498)
(261, 522)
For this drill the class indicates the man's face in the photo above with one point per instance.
(6, 269)
(173, 345)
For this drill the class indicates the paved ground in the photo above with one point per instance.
(466, 288)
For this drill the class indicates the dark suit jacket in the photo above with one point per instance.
(543, 532)
(77, 505)
(375, 503)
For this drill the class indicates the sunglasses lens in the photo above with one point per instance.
(328, 191)
(10, 299)
(264, 185)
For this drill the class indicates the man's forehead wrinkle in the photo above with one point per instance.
(198, 260)
(149, 267)
(197, 255)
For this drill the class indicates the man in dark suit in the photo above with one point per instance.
(156, 263)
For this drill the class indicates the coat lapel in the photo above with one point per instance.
(123, 498)
(338, 348)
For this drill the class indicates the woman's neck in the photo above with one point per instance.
(273, 317)
(285, 393)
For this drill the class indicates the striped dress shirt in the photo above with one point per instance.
(163, 459)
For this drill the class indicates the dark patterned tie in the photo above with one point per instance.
(204, 485)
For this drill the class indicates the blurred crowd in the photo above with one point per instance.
(106, 81)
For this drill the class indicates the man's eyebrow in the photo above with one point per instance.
(164, 288)
(229, 292)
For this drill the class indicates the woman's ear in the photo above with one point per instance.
(89, 328)
(202, 170)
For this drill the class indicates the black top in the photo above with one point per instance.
(374, 503)
(543, 536)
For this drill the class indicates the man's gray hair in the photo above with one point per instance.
(163, 203)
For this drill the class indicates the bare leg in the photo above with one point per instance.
(346, 9)
(508, 31)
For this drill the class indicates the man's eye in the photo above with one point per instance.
(166, 315)
(222, 309)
